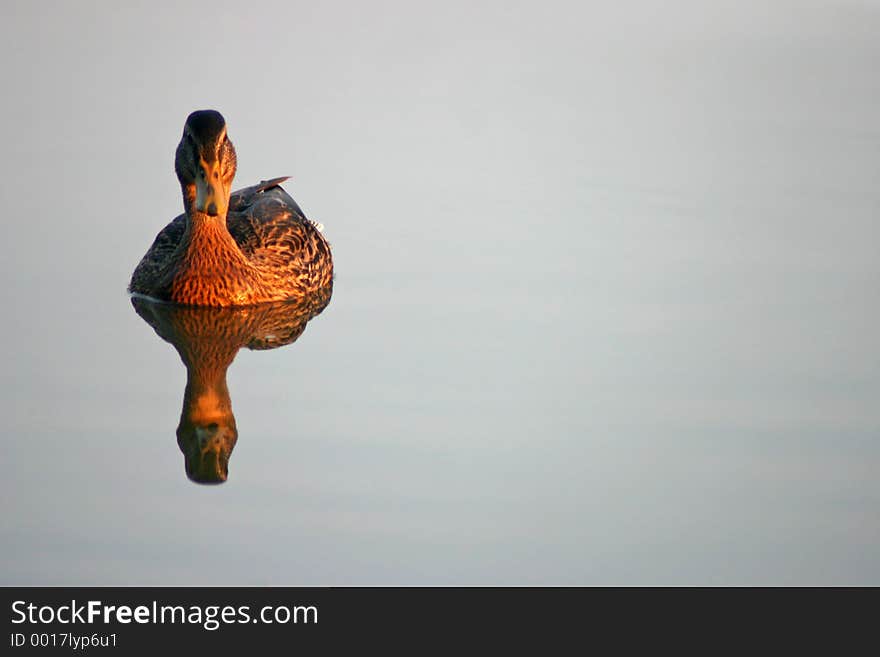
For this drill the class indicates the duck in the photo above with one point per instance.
(229, 249)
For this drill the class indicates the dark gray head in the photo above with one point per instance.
(207, 128)
(205, 162)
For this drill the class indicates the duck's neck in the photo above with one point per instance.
(208, 268)
(207, 245)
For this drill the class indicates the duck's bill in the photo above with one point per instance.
(210, 197)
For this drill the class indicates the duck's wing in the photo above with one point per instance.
(273, 232)
(157, 256)
(244, 198)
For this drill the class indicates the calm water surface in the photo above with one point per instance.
(606, 306)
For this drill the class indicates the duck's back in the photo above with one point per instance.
(284, 247)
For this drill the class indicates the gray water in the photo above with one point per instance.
(605, 311)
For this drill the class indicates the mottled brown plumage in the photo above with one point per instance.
(253, 246)
(208, 340)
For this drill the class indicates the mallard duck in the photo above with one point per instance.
(253, 246)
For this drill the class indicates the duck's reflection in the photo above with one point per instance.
(207, 340)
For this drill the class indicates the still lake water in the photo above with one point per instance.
(606, 306)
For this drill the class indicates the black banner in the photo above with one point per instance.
(228, 620)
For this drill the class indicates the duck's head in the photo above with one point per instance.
(205, 163)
